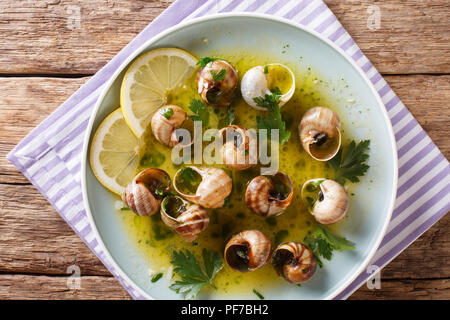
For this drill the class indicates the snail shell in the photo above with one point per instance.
(164, 128)
(190, 221)
(263, 194)
(217, 93)
(255, 83)
(214, 187)
(144, 194)
(239, 151)
(332, 203)
(248, 251)
(320, 133)
(294, 261)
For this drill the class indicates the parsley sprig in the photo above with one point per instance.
(205, 60)
(200, 110)
(219, 75)
(323, 242)
(352, 166)
(274, 120)
(166, 112)
(193, 276)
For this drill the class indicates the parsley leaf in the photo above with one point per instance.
(166, 112)
(205, 60)
(193, 276)
(219, 75)
(353, 164)
(323, 242)
(228, 119)
(156, 277)
(258, 294)
(274, 120)
(201, 113)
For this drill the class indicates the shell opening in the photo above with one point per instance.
(187, 181)
(281, 188)
(281, 258)
(180, 133)
(237, 257)
(156, 180)
(311, 193)
(173, 206)
(323, 145)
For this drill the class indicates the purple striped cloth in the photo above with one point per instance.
(50, 156)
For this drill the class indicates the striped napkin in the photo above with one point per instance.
(50, 156)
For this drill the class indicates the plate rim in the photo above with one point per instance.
(107, 85)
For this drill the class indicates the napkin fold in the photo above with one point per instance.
(50, 156)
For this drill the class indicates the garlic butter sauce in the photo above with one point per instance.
(156, 241)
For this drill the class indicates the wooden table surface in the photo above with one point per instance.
(45, 56)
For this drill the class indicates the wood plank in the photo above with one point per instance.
(406, 290)
(414, 36)
(93, 287)
(48, 245)
(35, 239)
(48, 288)
(24, 103)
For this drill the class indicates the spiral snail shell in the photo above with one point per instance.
(269, 195)
(164, 123)
(294, 262)
(320, 133)
(207, 187)
(186, 219)
(217, 83)
(330, 204)
(248, 251)
(144, 194)
(239, 151)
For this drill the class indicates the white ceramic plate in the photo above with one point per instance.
(364, 118)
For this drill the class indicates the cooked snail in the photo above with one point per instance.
(294, 261)
(164, 123)
(269, 195)
(144, 194)
(329, 202)
(320, 133)
(207, 187)
(186, 219)
(262, 80)
(217, 82)
(239, 150)
(248, 251)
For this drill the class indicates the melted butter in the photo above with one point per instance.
(156, 242)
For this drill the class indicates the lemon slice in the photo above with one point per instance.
(148, 82)
(114, 153)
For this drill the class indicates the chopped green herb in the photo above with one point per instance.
(266, 69)
(201, 113)
(152, 160)
(166, 112)
(193, 276)
(280, 235)
(323, 242)
(258, 294)
(219, 75)
(352, 166)
(124, 209)
(188, 179)
(230, 116)
(271, 221)
(205, 60)
(274, 120)
(157, 277)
